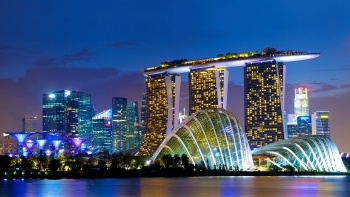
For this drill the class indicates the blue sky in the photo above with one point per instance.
(102, 48)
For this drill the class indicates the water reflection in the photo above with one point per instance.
(195, 186)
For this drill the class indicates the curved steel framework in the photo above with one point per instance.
(308, 153)
(212, 138)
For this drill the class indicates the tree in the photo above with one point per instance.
(5, 164)
(26, 164)
(165, 158)
(54, 165)
(127, 160)
(273, 168)
(184, 161)
(289, 168)
(176, 160)
(221, 56)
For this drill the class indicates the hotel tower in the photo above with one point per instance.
(163, 91)
(263, 101)
(207, 88)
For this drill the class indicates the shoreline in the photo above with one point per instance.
(164, 173)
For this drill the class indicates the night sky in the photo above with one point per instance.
(102, 47)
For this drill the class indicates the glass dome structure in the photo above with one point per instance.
(307, 153)
(213, 138)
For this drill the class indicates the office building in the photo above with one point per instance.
(264, 102)
(118, 124)
(321, 125)
(29, 124)
(292, 130)
(144, 112)
(207, 88)
(162, 109)
(301, 102)
(132, 126)
(102, 131)
(304, 125)
(68, 111)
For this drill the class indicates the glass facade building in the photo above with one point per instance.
(213, 138)
(163, 91)
(118, 124)
(133, 128)
(102, 131)
(68, 111)
(207, 88)
(264, 102)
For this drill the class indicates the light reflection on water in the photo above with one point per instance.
(193, 186)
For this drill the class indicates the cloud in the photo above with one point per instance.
(11, 55)
(124, 44)
(344, 85)
(323, 87)
(336, 69)
(82, 55)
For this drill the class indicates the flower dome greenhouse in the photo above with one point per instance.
(308, 153)
(211, 137)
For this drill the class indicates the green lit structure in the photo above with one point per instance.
(211, 137)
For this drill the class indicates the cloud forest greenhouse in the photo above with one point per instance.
(211, 137)
(308, 153)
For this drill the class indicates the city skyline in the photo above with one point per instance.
(104, 53)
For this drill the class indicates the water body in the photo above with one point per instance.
(314, 186)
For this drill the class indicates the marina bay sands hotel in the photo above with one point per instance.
(264, 82)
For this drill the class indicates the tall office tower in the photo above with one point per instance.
(118, 124)
(264, 102)
(102, 131)
(162, 110)
(207, 88)
(132, 121)
(79, 114)
(144, 112)
(301, 102)
(68, 111)
(29, 123)
(321, 126)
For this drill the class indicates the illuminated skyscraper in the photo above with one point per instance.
(207, 88)
(79, 114)
(320, 123)
(264, 102)
(162, 110)
(68, 111)
(118, 124)
(301, 102)
(29, 123)
(133, 135)
(102, 131)
(144, 112)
